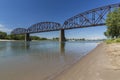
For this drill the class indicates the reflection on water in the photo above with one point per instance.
(39, 60)
(27, 45)
(62, 48)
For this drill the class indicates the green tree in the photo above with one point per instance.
(113, 24)
(106, 34)
(37, 38)
(8, 37)
(17, 37)
(56, 38)
(34, 38)
(3, 35)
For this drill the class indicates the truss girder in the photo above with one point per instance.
(90, 18)
(19, 31)
(94, 17)
(44, 27)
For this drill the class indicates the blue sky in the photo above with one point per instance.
(23, 13)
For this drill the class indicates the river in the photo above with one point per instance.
(39, 60)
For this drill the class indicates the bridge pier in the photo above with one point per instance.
(27, 37)
(62, 36)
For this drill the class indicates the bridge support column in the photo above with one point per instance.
(62, 36)
(27, 37)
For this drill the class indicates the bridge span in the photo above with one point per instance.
(90, 18)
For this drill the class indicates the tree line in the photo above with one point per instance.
(3, 35)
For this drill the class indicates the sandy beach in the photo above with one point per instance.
(103, 63)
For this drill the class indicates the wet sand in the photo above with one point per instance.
(103, 63)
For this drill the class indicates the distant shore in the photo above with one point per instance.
(6, 40)
(103, 63)
(48, 39)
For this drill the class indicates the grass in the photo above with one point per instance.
(109, 41)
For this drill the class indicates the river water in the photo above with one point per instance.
(39, 60)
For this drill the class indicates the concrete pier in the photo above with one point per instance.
(62, 36)
(27, 37)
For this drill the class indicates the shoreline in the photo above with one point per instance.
(56, 75)
(95, 65)
(6, 40)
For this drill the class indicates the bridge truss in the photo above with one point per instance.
(94, 17)
(90, 18)
(19, 31)
(44, 27)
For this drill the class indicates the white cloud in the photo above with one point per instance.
(1, 26)
(5, 29)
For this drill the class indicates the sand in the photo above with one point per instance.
(103, 63)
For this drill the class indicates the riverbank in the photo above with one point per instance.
(6, 40)
(103, 63)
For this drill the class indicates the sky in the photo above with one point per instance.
(24, 13)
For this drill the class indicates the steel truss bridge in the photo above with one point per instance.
(90, 18)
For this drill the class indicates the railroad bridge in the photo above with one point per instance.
(90, 18)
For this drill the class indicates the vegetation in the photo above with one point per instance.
(56, 39)
(17, 37)
(113, 23)
(81, 39)
(37, 38)
(109, 41)
(113, 29)
(3, 35)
